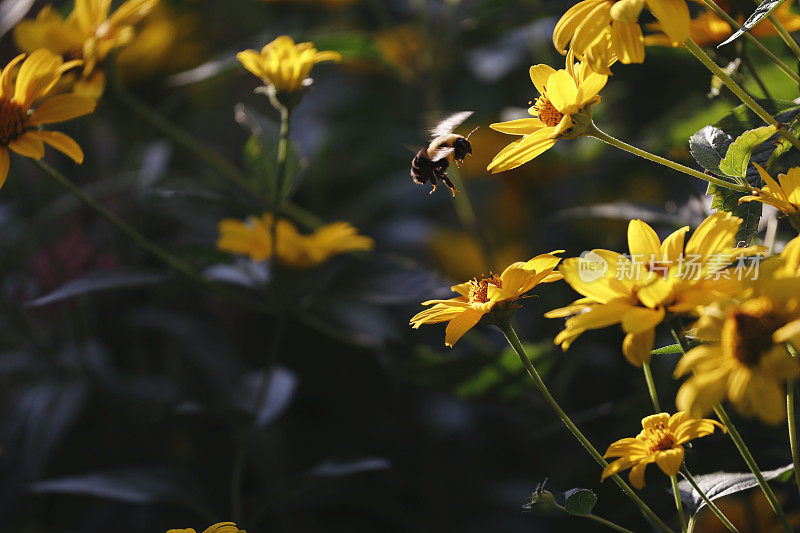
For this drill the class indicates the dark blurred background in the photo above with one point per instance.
(125, 406)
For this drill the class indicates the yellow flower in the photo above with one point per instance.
(479, 297)
(783, 194)
(638, 289)
(563, 95)
(254, 238)
(707, 29)
(222, 527)
(590, 27)
(90, 32)
(746, 358)
(283, 64)
(25, 105)
(660, 441)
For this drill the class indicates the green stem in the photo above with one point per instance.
(676, 493)
(711, 504)
(787, 38)
(146, 244)
(692, 523)
(513, 340)
(739, 92)
(651, 386)
(608, 523)
(597, 133)
(743, 451)
(758, 44)
(202, 152)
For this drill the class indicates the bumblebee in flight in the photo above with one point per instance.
(430, 164)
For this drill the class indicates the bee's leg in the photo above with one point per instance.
(449, 183)
(433, 182)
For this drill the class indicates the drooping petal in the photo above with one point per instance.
(28, 144)
(637, 475)
(636, 347)
(673, 16)
(569, 22)
(459, 325)
(627, 41)
(63, 143)
(617, 466)
(670, 461)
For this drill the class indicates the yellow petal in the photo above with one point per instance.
(696, 356)
(521, 151)
(773, 185)
(672, 247)
(637, 475)
(643, 242)
(61, 107)
(569, 22)
(716, 235)
(7, 77)
(522, 126)
(595, 22)
(63, 143)
(790, 183)
(670, 461)
(616, 466)
(562, 90)
(673, 16)
(37, 73)
(539, 76)
(590, 87)
(29, 145)
(641, 319)
(627, 41)
(5, 163)
(460, 325)
(636, 347)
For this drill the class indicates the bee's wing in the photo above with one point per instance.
(442, 153)
(450, 123)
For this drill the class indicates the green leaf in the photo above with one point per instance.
(762, 11)
(737, 158)
(708, 146)
(742, 118)
(665, 350)
(721, 484)
(579, 501)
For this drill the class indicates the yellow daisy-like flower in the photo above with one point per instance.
(283, 64)
(253, 238)
(707, 29)
(479, 297)
(25, 105)
(90, 32)
(564, 94)
(746, 358)
(783, 194)
(591, 26)
(637, 290)
(222, 527)
(660, 441)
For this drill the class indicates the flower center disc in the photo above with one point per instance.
(12, 121)
(661, 439)
(748, 333)
(479, 290)
(547, 112)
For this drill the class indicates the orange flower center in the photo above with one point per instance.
(747, 333)
(479, 290)
(660, 439)
(547, 112)
(12, 120)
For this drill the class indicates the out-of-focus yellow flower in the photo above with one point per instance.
(564, 94)
(402, 47)
(638, 289)
(591, 27)
(746, 359)
(750, 512)
(327, 3)
(90, 33)
(25, 105)
(164, 43)
(783, 194)
(222, 527)
(479, 297)
(707, 29)
(283, 64)
(660, 441)
(253, 238)
(459, 255)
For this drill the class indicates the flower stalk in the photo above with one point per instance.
(711, 505)
(597, 133)
(513, 340)
(739, 92)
